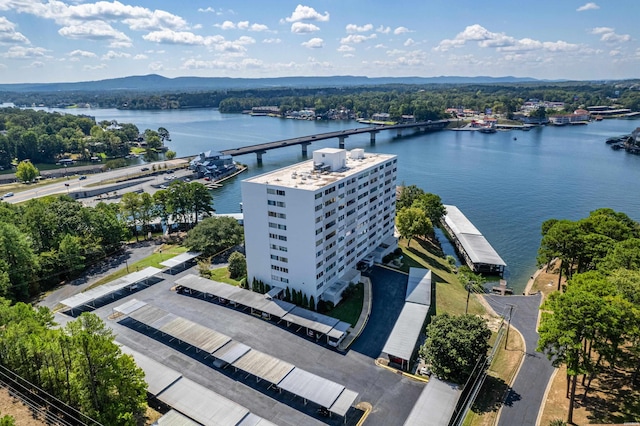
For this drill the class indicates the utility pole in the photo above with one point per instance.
(509, 324)
(468, 294)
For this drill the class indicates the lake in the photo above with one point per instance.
(506, 183)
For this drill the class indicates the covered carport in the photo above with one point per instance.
(263, 366)
(316, 325)
(402, 341)
(180, 260)
(90, 297)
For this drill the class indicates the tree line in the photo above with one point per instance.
(47, 240)
(592, 323)
(78, 364)
(46, 137)
(424, 101)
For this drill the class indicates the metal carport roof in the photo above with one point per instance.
(311, 387)
(435, 405)
(311, 320)
(180, 259)
(157, 376)
(344, 402)
(263, 366)
(230, 352)
(202, 404)
(419, 286)
(173, 418)
(206, 286)
(458, 222)
(89, 296)
(404, 336)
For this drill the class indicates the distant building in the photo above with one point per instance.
(213, 164)
(309, 225)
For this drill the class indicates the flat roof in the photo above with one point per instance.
(157, 375)
(419, 286)
(299, 175)
(253, 420)
(311, 387)
(406, 331)
(263, 366)
(344, 402)
(173, 418)
(311, 320)
(202, 404)
(339, 330)
(89, 296)
(437, 403)
(474, 243)
(230, 352)
(130, 306)
(180, 259)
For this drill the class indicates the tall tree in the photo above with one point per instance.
(26, 171)
(214, 234)
(408, 194)
(413, 222)
(432, 206)
(130, 204)
(455, 345)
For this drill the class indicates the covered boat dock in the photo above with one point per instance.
(476, 251)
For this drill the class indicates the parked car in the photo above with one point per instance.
(83, 177)
(144, 169)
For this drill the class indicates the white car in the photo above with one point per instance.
(8, 194)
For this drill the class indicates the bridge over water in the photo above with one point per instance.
(341, 135)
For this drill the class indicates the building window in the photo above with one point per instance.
(276, 203)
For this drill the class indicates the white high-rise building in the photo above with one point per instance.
(307, 226)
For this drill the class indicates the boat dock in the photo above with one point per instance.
(472, 246)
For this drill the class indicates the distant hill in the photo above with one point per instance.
(158, 83)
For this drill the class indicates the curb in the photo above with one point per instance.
(367, 284)
(545, 396)
(515, 375)
(400, 372)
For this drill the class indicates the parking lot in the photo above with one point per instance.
(391, 395)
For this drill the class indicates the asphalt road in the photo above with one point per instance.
(525, 397)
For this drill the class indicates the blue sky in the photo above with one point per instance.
(59, 41)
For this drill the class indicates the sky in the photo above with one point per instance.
(76, 40)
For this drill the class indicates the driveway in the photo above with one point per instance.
(525, 397)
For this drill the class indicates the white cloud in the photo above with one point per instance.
(94, 30)
(226, 25)
(82, 54)
(608, 35)
(243, 25)
(353, 28)
(272, 41)
(615, 52)
(258, 27)
(314, 43)
(181, 37)
(303, 28)
(384, 30)
(20, 52)
(156, 66)
(306, 13)
(140, 56)
(36, 64)
(356, 38)
(346, 48)
(94, 67)
(209, 10)
(409, 42)
(113, 55)
(247, 63)
(380, 46)
(120, 44)
(401, 30)
(8, 33)
(588, 6)
(501, 41)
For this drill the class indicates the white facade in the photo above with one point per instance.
(308, 225)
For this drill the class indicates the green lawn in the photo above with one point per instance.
(168, 251)
(349, 310)
(222, 275)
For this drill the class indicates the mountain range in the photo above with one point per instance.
(158, 83)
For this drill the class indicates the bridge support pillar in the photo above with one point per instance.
(372, 139)
(399, 133)
(259, 156)
(304, 148)
(341, 141)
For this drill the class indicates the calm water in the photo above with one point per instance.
(507, 187)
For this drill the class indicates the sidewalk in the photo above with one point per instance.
(355, 331)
